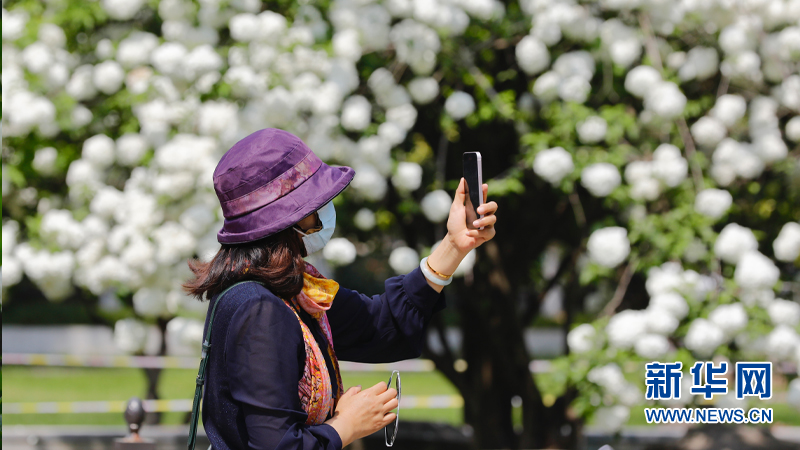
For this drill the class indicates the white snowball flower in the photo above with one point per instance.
(80, 85)
(641, 80)
(793, 397)
(346, 44)
(356, 113)
(339, 252)
(546, 86)
(173, 243)
(787, 245)
(14, 24)
(423, 89)
(168, 57)
(459, 105)
(672, 302)
(44, 161)
(131, 148)
(729, 109)
(392, 133)
(731, 318)
(578, 63)
(553, 164)
(582, 338)
(218, 118)
(660, 321)
(574, 89)
(106, 201)
(107, 77)
(708, 131)
(532, 55)
(609, 246)
(784, 312)
(37, 57)
(770, 148)
(99, 150)
(651, 346)
(184, 336)
(150, 302)
(404, 115)
(600, 179)
(436, 205)
(465, 265)
(365, 219)
(733, 242)
(130, 335)
(52, 35)
(11, 271)
(713, 203)
(197, 218)
(793, 129)
(732, 158)
(609, 377)
(80, 116)
(408, 176)
(782, 342)
(82, 173)
(369, 182)
(135, 49)
(104, 49)
(665, 99)
(403, 260)
(756, 271)
(327, 99)
(701, 63)
(592, 130)
(625, 328)
(666, 278)
(703, 337)
(416, 44)
(122, 9)
(201, 60)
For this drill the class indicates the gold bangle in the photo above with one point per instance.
(435, 272)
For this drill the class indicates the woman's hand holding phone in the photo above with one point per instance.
(461, 236)
(461, 239)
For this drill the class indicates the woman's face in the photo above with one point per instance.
(308, 222)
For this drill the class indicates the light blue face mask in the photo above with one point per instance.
(314, 242)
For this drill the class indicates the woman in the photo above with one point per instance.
(273, 374)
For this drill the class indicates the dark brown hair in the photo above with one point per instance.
(277, 261)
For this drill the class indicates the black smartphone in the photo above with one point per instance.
(473, 174)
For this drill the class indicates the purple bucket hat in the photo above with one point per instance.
(269, 181)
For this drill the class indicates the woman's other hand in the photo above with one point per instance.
(463, 238)
(361, 413)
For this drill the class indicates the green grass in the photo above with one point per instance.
(65, 384)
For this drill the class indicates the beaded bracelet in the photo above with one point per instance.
(425, 268)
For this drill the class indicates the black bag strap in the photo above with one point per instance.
(201, 373)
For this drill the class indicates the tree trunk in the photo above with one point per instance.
(153, 375)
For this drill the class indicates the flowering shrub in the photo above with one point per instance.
(649, 143)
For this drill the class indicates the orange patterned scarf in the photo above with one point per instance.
(318, 396)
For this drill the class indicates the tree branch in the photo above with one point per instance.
(566, 265)
(622, 287)
(577, 208)
(683, 128)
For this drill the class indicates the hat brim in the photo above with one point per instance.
(326, 183)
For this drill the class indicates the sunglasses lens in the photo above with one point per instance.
(390, 431)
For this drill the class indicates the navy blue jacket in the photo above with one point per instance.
(257, 357)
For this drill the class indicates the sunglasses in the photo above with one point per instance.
(390, 431)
